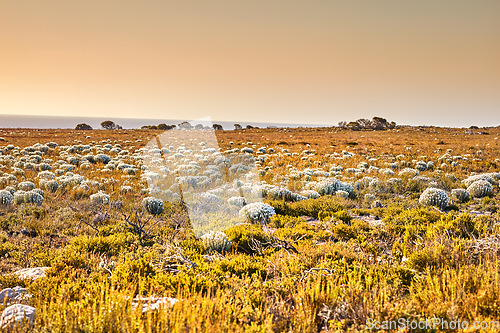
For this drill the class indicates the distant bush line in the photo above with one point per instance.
(376, 123)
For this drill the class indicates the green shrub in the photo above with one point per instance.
(281, 221)
(216, 241)
(344, 232)
(242, 235)
(308, 207)
(132, 270)
(111, 245)
(439, 254)
(242, 265)
(420, 215)
(343, 216)
(36, 211)
(302, 230)
(459, 226)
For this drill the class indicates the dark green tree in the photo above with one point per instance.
(110, 125)
(83, 127)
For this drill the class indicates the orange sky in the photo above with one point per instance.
(415, 62)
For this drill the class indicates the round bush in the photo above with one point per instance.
(485, 176)
(342, 194)
(257, 212)
(310, 194)
(34, 197)
(153, 205)
(480, 188)
(99, 198)
(46, 175)
(434, 197)
(26, 186)
(216, 241)
(409, 172)
(370, 197)
(460, 195)
(237, 201)
(6, 198)
(19, 197)
(297, 197)
(50, 185)
(421, 166)
(330, 186)
(102, 158)
(39, 191)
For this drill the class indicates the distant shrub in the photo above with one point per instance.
(485, 177)
(280, 221)
(421, 166)
(6, 198)
(34, 197)
(460, 194)
(247, 150)
(344, 232)
(99, 198)
(237, 201)
(39, 191)
(342, 194)
(153, 205)
(341, 215)
(29, 197)
(46, 175)
(480, 188)
(409, 172)
(369, 197)
(420, 216)
(102, 158)
(26, 186)
(330, 186)
(434, 197)
(50, 185)
(80, 191)
(216, 241)
(110, 125)
(308, 207)
(83, 127)
(310, 194)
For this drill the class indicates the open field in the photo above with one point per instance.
(356, 227)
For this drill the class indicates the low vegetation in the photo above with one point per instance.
(354, 226)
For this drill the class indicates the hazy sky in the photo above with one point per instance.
(312, 61)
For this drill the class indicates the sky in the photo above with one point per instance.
(423, 62)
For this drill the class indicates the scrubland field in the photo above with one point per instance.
(355, 227)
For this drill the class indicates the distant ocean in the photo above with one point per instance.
(15, 121)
